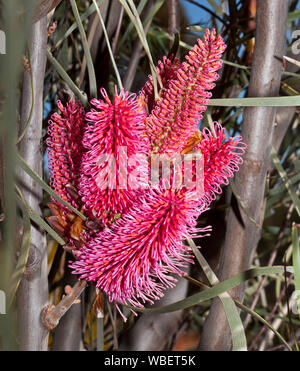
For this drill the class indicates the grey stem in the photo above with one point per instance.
(67, 336)
(154, 331)
(44, 7)
(241, 242)
(32, 295)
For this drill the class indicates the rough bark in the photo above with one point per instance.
(32, 295)
(241, 241)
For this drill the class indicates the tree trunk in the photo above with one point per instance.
(44, 7)
(32, 295)
(241, 241)
(154, 331)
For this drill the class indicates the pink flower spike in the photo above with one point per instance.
(135, 259)
(115, 132)
(65, 148)
(166, 69)
(222, 158)
(176, 115)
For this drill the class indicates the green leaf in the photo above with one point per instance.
(37, 219)
(264, 322)
(87, 52)
(239, 342)
(293, 16)
(153, 11)
(108, 45)
(282, 188)
(74, 26)
(135, 19)
(217, 7)
(24, 252)
(218, 289)
(63, 74)
(140, 8)
(22, 163)
(257, 102)
(292, 60)
(241, 203)
(286, 180)
(41, 222)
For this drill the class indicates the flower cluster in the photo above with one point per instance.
(132, 244)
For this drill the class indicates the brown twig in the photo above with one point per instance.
(271, 260)
(52, 314)
(271, 315)
(173, 18)
(67, 336)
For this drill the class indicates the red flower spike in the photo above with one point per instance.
(65, 149)
(166, 69)
(111, 128)
(177, 113)
(222, 158)
(134, 260)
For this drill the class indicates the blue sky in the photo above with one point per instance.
(194, 13)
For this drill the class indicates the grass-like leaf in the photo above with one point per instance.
(281, 188)
(108, 45)
(257, 102)
(22, 163)
(158, 4)
(130, 26)
(135, 19)
(91, 9)
(293, 16)
(87, 52)
(63, 74)
(24, 252)
(286, 180)
(36, 218)
(239, 342)
(218, 289)
(241, 203)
